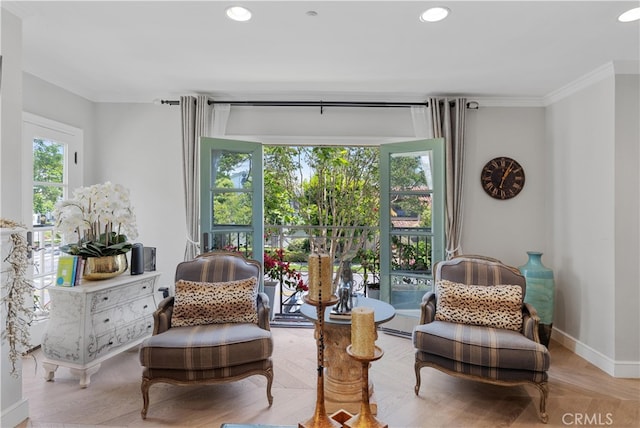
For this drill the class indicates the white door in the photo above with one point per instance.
(52, 168)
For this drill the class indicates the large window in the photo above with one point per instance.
(52, 154)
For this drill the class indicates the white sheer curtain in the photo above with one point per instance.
(198, 118)
(445, 118)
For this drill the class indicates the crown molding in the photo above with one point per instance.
(508, 101)
(602, 72)
(21, 9)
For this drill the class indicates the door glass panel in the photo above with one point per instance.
(48, 178)
(231, 170)
(411, 252)
(231, 208)
(411, 211)
(412, 236)
(230, 204)
(48, 188)
(407, 290)
(232, 241)
(411, 171)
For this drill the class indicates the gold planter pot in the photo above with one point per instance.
(96, 268)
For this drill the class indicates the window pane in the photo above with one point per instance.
(231, 170)
(232, 241)
(411, 211)
(407, 291)
(44, 200)
(48, 161)
(231, 208)
(411, 171)
(411, 253)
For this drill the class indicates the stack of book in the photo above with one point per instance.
(69, 271)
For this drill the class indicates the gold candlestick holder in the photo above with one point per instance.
(365, 418)
(320, 419)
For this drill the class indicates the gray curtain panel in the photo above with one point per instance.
(196, 115)
(447, 119)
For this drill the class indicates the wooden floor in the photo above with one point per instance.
(579, 394)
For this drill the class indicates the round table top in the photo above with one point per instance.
(382, 311)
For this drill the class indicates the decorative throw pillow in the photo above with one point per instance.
(498, 306)
(198, 303)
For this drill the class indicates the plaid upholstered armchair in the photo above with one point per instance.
(475, 325)
(215, 328)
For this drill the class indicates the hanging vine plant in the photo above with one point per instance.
(17, 287)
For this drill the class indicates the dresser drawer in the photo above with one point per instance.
(122, 336)
(121, 315)
(118, 295)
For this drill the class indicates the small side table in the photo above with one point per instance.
(343, 383)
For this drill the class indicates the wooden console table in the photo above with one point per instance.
(97, 320)
(343, 383)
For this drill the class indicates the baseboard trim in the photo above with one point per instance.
(619, 369)
(15, 414)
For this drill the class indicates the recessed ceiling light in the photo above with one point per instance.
(239, 13)
(434, 14)
(630, 15)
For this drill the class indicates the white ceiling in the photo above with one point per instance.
(125, 51)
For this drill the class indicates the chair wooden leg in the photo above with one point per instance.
(544, 393)
(417, 369)
(269, 376)
(146, 384)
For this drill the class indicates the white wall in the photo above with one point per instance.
(593, 150)
(11, 119)
(506, 229)
(52, 102)
(139, 146)
(627, 218)
(14, 408)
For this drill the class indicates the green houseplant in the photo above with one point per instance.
(97, 222)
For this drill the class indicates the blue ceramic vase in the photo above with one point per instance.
(540, 292)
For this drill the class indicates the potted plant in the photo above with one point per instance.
(97, 224)
(277, 270)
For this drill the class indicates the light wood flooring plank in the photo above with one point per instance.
(114, 400)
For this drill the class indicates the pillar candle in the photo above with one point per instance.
(320, 277)
(363, 332)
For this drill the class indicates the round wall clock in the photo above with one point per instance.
(502, 178)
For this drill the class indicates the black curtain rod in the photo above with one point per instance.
(307, 103)
(322, 104)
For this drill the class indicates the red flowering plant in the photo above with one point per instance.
(276, 268)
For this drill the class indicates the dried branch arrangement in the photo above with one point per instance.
(17, 287)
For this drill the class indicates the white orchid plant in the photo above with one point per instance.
(98, 221)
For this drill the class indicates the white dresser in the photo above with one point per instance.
(97, 320)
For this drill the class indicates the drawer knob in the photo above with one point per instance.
(111, 342)
(106, 320)
(144, 287)
(145, 306)
(105, 298)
